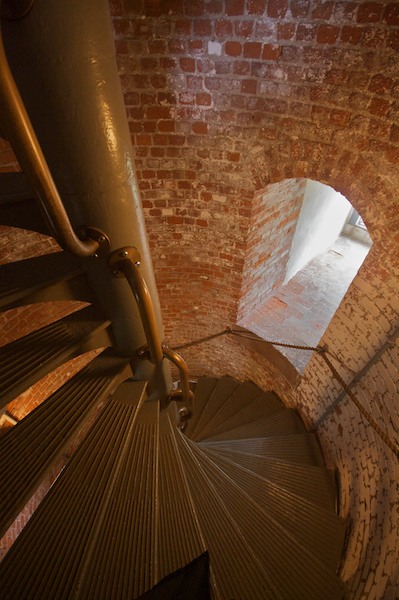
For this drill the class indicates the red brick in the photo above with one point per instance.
(196, 47)
(369, 12)
(203, 99)
(195, 8)
(234, 8)
(379, 107)
(252, 49)
(222, 67)
(241, 67)
(167, 63)
(166, 126)
(176, 140)
(202, 27)
(391, 14)
(144, 140)
(327, 34)
(299, 8)
(158, 112)
(223, 28)
(175, 220)
(177, 46)
(239, 101)
(380, 84)
(306, 32)
(233, 156)
(166, 98)
(158, 81)
(233, 48)
(323, 10)
(243, 28)
(200, 128)
(351, 35)
(183, 27)
(156, 46)
(249, 86)
(340, 118)
(286, 31)
(205, 65)
(393, 40)
(271, 52)
(256, 7)
(194, 82)
(187, 64)
(276, 9)
(394, 133)
(213, 83)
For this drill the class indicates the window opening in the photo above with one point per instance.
(306, 245)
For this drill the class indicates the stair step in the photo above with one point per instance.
(318, 528)
(42, 279)
(18, 207)
(236, 568)
(203, 390)
(27, 360)
(224, 388)
(299, 448)
(292, 568)
(260, 407)
(310, 482)
(227, 407)
(283, 422)
(61, 539)
(30, 448)
(128, 530)
(179, 537)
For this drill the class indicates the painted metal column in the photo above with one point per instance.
(62, 57)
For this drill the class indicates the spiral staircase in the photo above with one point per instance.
(234, 504)
(140, 499)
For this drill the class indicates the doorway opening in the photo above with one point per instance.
(306, 245)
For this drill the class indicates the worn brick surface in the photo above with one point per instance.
(223, 99)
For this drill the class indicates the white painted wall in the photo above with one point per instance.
(322, 217)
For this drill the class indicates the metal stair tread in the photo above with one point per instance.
(224, 388)
(260, 407)
(312, 482)
(319, 528)
(179, 536)
(203, 391)
(285, 421)
(237, 571)
(59, 550)
(35, 279)
(30, 448)
(28, 359)
(299, 573)
(300, 447)
(242, 395)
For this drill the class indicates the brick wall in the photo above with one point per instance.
(274, 217)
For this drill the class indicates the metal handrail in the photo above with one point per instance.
(125, 262)
(19, 129)
(178, 360)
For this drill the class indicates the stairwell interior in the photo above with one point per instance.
(124, 497)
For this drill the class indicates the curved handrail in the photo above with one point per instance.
(176, 359)
(125, 262)
(19, 129)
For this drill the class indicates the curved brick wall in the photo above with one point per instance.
(223, 99)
